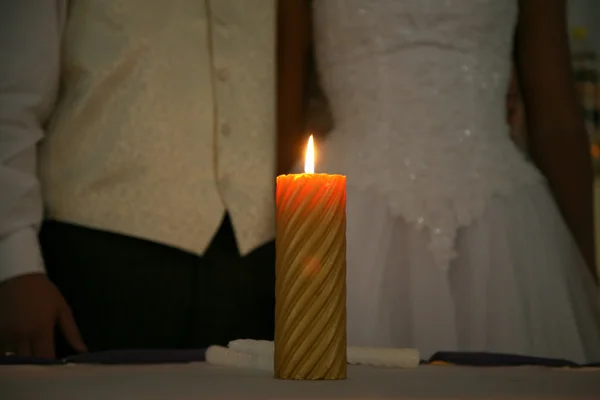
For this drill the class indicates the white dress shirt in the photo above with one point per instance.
(150, 118)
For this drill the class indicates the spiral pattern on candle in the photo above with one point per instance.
(310, 312)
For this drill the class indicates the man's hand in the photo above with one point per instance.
(30, 308)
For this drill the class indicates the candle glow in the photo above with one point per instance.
(309, 160)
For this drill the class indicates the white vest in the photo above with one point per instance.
(166, 118)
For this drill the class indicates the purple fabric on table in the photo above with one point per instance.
(140, 357)
(16, 360)
(500, 360)
(198, 355)
(116, 357)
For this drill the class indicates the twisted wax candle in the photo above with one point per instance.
(310, 289)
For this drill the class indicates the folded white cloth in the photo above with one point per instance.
(258, 354)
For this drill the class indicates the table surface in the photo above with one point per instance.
(205, 381)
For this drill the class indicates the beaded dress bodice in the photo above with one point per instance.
(417, 89)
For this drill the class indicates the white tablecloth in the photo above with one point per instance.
(202, 381)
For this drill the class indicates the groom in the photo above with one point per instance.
(156, 163)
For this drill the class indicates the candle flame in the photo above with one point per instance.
(309, 163)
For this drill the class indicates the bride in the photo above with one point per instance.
(455, 241)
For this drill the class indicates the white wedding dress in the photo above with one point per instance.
(454, 241)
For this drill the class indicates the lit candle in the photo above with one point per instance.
(310, 289)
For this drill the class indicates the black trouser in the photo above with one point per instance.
(131, 293)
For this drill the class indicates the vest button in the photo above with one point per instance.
(225, 129)
(223, 74)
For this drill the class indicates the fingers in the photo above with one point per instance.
(24, 349)
(42, 344)
(69, 329)
(31, 345)
(6, 349)
(20, 348)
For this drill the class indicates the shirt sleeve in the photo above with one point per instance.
(30, 34)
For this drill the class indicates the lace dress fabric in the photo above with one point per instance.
(417, 91)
